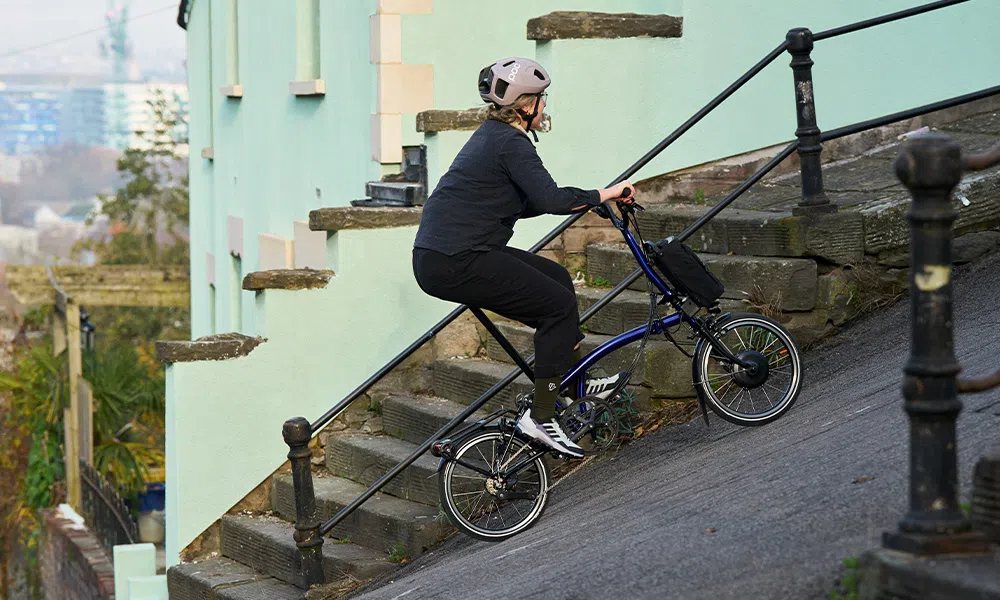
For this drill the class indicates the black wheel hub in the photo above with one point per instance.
(756, 374)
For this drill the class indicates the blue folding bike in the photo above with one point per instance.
(493, 482)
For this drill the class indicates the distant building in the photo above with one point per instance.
(30, 118)
(36, 116)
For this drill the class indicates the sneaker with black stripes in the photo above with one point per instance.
(549, 433)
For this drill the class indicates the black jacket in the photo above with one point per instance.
(495, 180)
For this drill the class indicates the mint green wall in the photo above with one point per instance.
(277, 156)
(224, 417)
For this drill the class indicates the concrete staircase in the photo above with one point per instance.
(812, 273)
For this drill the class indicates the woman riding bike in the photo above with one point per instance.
(461, 254)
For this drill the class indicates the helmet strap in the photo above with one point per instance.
(531, 118)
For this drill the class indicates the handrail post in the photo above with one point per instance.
(814, 200)
(307, 538)
(930, 167)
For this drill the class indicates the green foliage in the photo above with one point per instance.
(149, 212)
(847, 588)
(397, 553)
(699, 197)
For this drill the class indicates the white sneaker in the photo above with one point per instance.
(550, 434)
(601, 387)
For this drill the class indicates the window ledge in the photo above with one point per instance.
(308, 87)
(233, 91)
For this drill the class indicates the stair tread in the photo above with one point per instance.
(493, 368)
(343, 491)
(227, 578)
(379, 523)
(416, 418)
(366, 458)
(265, 543)
(433, 405)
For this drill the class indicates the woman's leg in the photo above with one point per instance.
(510, 285)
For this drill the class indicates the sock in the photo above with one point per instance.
(543, 407)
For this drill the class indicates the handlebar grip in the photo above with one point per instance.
(626, 192)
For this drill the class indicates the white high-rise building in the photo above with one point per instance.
(127, 111)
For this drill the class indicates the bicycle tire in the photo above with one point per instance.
(446, 487)
(699, 370)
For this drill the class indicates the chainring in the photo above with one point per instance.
(591, 423)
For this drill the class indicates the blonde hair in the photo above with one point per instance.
(509, 114)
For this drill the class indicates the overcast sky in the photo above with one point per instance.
(157, 41)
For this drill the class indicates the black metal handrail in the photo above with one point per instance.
(105, 512)
(799, 43)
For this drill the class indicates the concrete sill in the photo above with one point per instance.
(232, 91)
(309, 87)
(208, 152)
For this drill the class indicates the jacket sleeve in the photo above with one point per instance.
(524, 167)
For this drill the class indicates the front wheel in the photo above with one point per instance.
(491, 490)
(749, 396)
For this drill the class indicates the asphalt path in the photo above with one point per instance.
(730, 512)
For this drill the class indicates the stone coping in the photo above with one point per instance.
(222, 346)
(287, 279)
(352, 217)
(576, 25)
(436, 121)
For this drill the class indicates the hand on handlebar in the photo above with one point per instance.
(622, 192)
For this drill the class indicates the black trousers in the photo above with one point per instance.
(513, 283)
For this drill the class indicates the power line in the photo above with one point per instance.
(82, 34)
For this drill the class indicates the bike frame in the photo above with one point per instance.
(660, 325)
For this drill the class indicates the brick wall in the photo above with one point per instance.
(74, 564)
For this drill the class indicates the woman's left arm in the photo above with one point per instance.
(526, 170)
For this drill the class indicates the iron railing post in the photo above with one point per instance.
(814, 200)
(297, 434)
(930, 167)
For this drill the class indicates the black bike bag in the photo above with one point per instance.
(685, 271)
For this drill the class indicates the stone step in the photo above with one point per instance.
(416, 418)
(626, 311)
(466, 380)
(266, 545)
(788, 282)
(379, 524)
(837, 236)
(224, 578)
(663, 368)
(366, 458)
(631, 309)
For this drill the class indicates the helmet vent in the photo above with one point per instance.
(508, 63)
(539, 75)
(501, 89)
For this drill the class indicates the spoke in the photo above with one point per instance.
(762, 350)
(768, 397)
(465, 493)
(730, 405)
(488, 464)
(775, 388)
(750, 395)
(514, 506)
(714, 377)
(740, 338)
(724, 386)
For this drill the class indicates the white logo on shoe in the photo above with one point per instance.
(552, 387)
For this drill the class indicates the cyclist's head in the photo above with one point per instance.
(514, 87)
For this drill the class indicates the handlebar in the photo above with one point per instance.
(604, 209)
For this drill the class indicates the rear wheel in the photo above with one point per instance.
(479, 494)
(749, 396)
